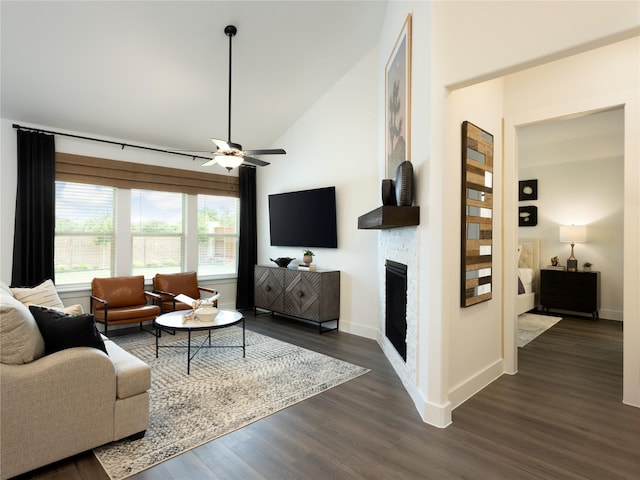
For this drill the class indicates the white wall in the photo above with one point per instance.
(588, 192)
(596, 80)
(475, 346)
(333, 144)
(480, 40)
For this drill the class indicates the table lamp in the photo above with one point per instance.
(573, 234)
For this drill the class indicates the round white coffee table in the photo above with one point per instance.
(174, 321)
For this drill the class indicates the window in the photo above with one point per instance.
(84, 232)
(157, 232)
(116, 218)
(217, 235)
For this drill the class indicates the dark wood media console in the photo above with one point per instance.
(307, 295)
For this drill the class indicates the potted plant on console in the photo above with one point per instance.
(307, 257)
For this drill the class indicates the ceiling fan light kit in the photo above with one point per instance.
(228, 161)
(228, 154)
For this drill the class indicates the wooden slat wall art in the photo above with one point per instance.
(477, 215)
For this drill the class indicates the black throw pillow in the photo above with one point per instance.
(521, 289)
(61, 331)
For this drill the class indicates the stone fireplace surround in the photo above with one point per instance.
(401, 245)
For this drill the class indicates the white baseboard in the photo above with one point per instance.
(467, 389)
(359, 329)
(611, 314)
(435, 415)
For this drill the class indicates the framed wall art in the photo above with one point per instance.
(477, 215)
(528, 216)
(527, 190)
(397, 88)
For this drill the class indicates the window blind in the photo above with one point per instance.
(84, 234)
(114, 173)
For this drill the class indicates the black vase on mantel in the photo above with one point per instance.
(404, 184)
(388, 192)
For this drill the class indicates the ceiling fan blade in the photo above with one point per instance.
(209, 163)
(255, 161)
(221, 144)
(271, 151)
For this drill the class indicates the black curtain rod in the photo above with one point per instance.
(122, 144)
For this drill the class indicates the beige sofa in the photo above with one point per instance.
(57, 405)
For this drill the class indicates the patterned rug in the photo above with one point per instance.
(224, 391)
(531, 325)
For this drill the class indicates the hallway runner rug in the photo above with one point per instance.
(532, 325)
(224, 391)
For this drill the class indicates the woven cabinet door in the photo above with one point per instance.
(302, 294)
(269, 288)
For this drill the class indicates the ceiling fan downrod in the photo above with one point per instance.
(230, 31)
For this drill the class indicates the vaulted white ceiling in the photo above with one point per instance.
(157, 72)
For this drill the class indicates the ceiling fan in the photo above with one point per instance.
(228, 154)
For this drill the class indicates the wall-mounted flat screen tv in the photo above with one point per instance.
(304, 219)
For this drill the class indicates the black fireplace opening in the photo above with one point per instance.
(396, 306)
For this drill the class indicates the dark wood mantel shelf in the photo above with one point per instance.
(389, 217)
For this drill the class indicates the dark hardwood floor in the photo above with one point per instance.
(560, 417)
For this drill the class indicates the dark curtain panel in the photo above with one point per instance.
(33, 238)
(248, 245)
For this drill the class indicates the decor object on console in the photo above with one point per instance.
(310, 295)
(398, 102)
(404, 184)
(282, 262)
(586, 266)
(477, 215)
(307, 257)
(573, 234)
(64, 403)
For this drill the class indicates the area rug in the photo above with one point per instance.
(531, 325)
(224, 392)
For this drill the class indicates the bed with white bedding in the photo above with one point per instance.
(528, 274)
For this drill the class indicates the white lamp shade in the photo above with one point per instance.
(573, 233)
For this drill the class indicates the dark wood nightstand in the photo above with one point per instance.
(573, 291)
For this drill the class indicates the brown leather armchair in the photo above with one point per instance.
(122, 300)
(169, 285)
